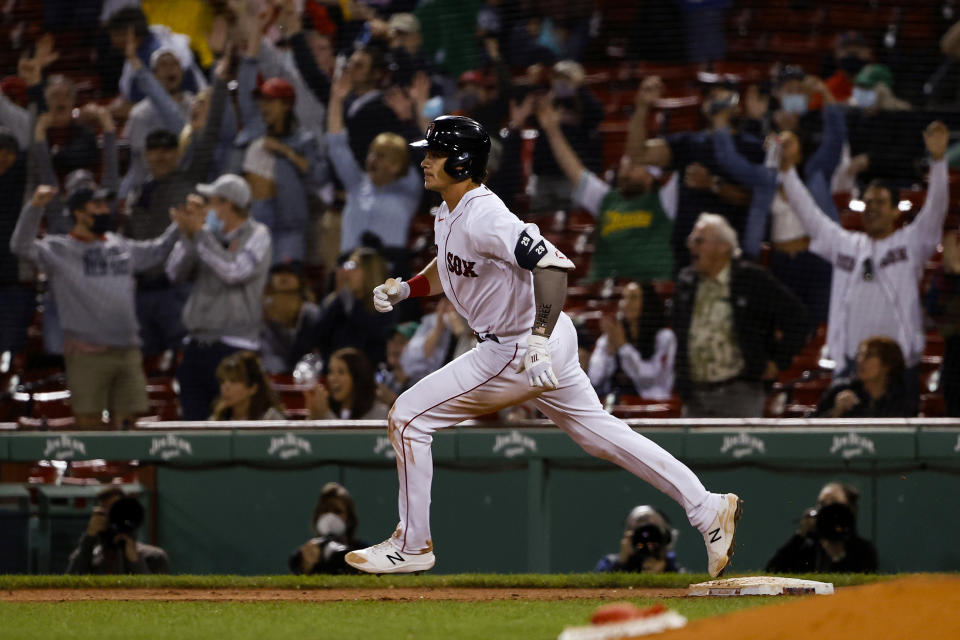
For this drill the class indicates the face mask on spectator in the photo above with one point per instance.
(213, 223)
(102, 223)
(796, 103)
(851, 65)
(563, 89)
(433, 108)
(330, 524)
(864, 98)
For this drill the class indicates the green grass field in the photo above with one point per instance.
(429, 620)
(484, 580)
(425, 620)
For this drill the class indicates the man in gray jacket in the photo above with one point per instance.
(227, 258)
(91, 273)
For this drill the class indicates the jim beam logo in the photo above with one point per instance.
(383, 447)
(63, 448)
(514, 444)
(288, 446)
(742, 444)
(852, 445)
(170, 446)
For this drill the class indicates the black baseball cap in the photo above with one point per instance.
(161, 139)
(79, 198)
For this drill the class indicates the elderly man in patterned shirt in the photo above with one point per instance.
(737, 326)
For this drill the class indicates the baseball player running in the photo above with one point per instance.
(510, 284)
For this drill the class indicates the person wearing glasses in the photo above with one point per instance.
(736, 326)
(876, 271)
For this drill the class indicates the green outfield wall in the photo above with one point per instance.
(525, 499)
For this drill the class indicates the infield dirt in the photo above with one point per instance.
(911, 608)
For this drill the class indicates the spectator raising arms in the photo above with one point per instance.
(350, 392)
(704, 185)
(91, 273)
(803, 272)
(245, 390)
(876, 272)
(578, 116)
(147, 40)
(164, 106)
(634, 226)
(635, 354)
(281, 158)
(366, 114)
(159, 301)
(383, 195)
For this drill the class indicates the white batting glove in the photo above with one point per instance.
(390, 293)
(537, 363)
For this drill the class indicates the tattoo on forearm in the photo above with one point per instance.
(542, 318)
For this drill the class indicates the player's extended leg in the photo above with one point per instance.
(575, 408)
(481, 381)
(604, 436)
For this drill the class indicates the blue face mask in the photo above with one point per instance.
(433, 108)
(864, 98)
(796, 103)
(213, 224)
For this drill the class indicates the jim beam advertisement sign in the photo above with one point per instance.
(170, 446)
(288, 446)
(742, 445)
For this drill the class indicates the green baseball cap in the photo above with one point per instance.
(872, 75)
(407, 329)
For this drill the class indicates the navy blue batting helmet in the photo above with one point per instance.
(465, 142)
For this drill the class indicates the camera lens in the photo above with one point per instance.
(647, 535)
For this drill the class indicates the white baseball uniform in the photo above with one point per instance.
(888, 302)
(481, 276)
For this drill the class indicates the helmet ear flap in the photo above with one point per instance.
(458, 165)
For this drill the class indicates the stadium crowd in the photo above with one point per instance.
(197, 217)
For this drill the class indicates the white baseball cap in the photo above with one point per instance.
(230, 187)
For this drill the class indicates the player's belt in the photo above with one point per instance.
(485, 337)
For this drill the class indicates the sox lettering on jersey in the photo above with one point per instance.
(896, 254)
(460, 266)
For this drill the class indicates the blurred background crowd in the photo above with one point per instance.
(200, 195)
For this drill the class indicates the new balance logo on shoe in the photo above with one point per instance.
(714, 536)
(385, 558)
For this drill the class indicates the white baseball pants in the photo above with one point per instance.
(485, 380)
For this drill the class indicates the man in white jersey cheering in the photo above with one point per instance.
(510, 284)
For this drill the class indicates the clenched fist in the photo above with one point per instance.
(390, 293)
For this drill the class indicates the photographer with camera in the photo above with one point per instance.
(109, 545)
(646, 546)
(827, 540)
(335, 523)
